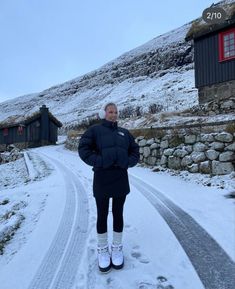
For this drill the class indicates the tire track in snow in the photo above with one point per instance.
(212, 264)
(90, 252)
(60, 265)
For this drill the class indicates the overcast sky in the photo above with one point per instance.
(47, 42)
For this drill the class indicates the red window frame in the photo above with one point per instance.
(227, 45)
(5, 132)
(20, 130)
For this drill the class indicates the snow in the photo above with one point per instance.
(174, 91)
(162, 41)
(13, 174)
(152, 252)
(172, 88)
(31, 171)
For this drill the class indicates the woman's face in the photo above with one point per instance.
(111, 113)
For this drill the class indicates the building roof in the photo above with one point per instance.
(200, 28)
(13, 121)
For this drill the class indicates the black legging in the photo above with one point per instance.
(102, 205)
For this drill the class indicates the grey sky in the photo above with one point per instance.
(46, 42)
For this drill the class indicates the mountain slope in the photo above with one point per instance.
(160, 72)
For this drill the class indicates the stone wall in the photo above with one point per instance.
(3, 147)
(220, 97)
(197, 152)
(212, 153)
(71, 143)
(11, 156)
(24, 145)
(20, 146)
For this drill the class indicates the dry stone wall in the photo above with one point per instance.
(212, 153)
(206, 153)
(11, 156)
(71, 143)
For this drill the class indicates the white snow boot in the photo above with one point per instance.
(104, 260)
(117, 256)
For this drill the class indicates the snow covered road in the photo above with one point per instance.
(59, 266)
(172, 239)
(203, 251)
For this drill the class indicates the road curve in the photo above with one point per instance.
(214, 267)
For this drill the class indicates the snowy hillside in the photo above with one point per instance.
(159, 72)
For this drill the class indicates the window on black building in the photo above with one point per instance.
(227, 45)
(20, 130)
(5, 131)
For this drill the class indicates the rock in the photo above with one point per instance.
(180, 153)
(141, 150)
(204, 167)
(174, 163)
(198, 139)
(198, 156)
(226, 156)
(151, 160)
(224, 137)
(187, 160)
(199, 147)
(212, 154)
(146, 152)
(168, 152)
(193, 168)
(150, 141)
(230, 147)
(219, 146)
(164, 144)
(154, 146)
(207, 138)
(12, 156)
(142, 143)
(219, 168)
(228, 104)
(155, 153)
(188, 148)
(190, 139)
(164, 160)
(15, 150)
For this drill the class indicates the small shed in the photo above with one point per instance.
(41, 128)
(214, 58)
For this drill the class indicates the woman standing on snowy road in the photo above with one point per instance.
(110, 150)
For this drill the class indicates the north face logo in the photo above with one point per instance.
(121, 133)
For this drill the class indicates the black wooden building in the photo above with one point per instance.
(214, 58)
(41, 128)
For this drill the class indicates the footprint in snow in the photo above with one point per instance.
(113, 283)
(146, 285)
(141, 258)
(162, 283)
(129, 228)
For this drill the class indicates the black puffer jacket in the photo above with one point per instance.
(107, 145)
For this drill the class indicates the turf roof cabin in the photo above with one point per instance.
(39, 129)
(214, 58)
